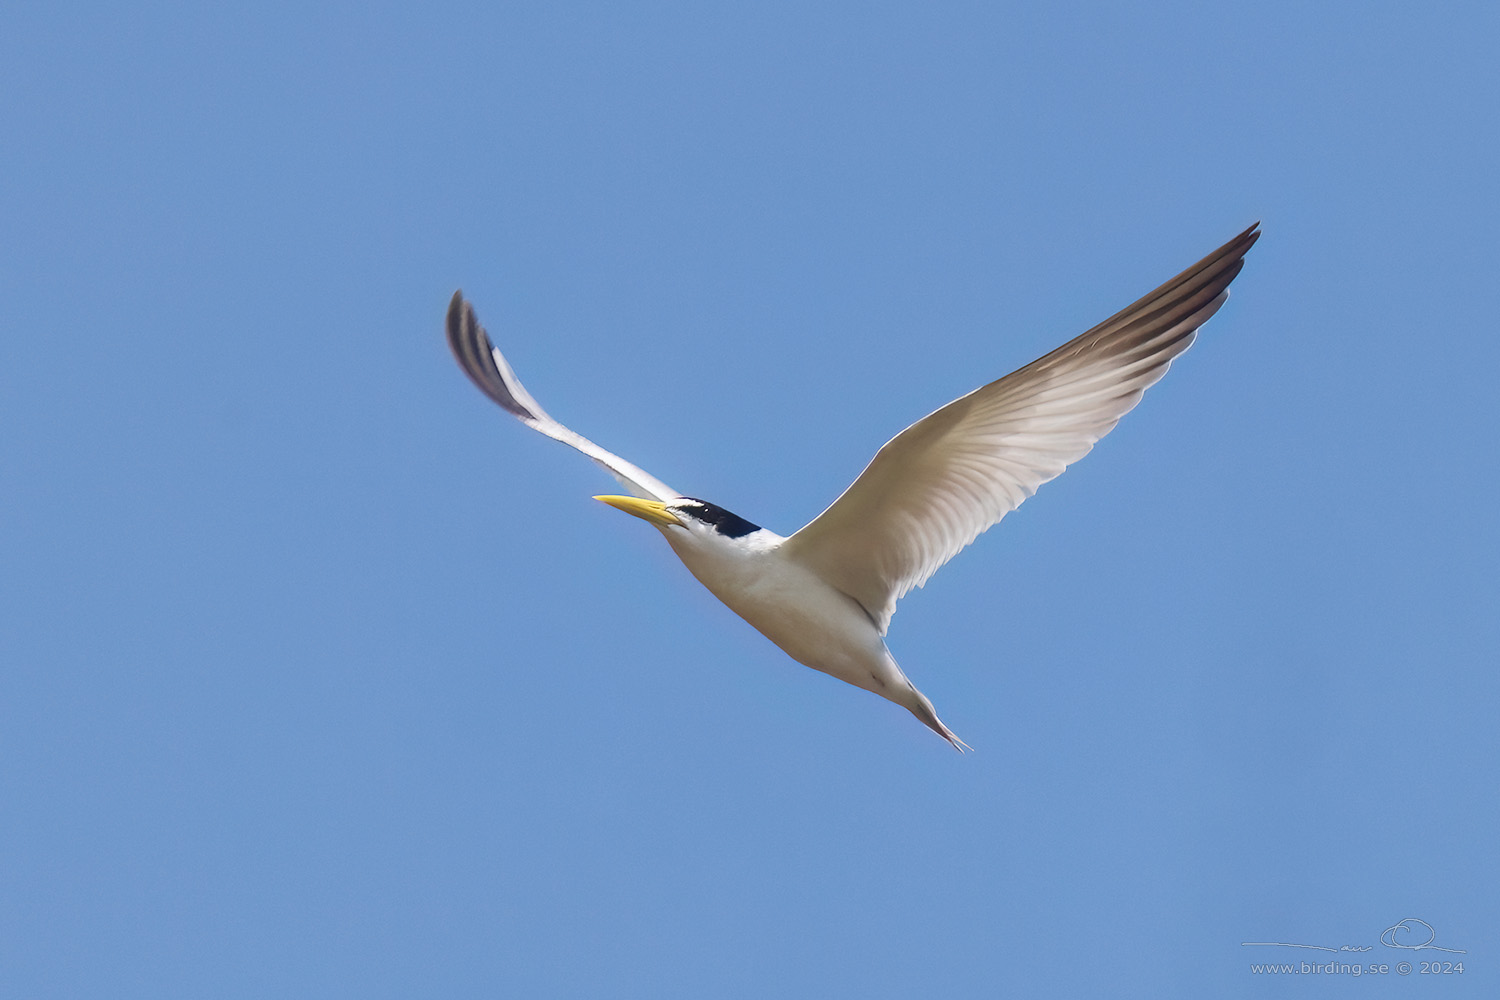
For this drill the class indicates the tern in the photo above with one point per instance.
(826, 593)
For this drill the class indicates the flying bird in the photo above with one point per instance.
(826, 593)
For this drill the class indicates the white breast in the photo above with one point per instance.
(815, 624)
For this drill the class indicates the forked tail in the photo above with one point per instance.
(922, 709)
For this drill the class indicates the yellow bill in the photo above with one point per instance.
(647, 510)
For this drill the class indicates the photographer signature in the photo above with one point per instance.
(1401, 934)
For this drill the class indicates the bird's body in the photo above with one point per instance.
(787, 602)
(826, 594)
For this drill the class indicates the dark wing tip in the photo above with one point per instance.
(475, 354)
(1249, 236)
(1183, 303)
(460, 315)
(1200, 282)
(455, 311)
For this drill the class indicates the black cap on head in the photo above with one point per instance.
(725, 523)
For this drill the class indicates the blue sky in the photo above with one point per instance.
(319, 676)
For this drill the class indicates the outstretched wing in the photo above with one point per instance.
(487, 367)
(938, 484)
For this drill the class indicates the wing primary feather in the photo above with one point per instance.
(487, 368)
(933, 488)
(484, 365)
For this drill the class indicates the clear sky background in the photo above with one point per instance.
(320, 676)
